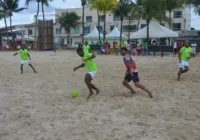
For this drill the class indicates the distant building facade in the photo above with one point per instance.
(181, 21)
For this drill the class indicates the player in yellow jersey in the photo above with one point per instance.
(185, 54)
(89, 63)
(25, 58)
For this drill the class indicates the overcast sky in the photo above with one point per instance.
(27, 15)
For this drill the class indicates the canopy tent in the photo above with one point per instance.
(115, 35)
(25, 38)
(155, 31)
(94, 35)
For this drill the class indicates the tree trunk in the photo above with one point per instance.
(170, 19)
(83, 20)
(104, 29)
(36, 23)
(148, 31)
(121, 32)
(129, 28)
(98, 26)
(11, 28)
(138, 24)
(6, 29)
(43, 11)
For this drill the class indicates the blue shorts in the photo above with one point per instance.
(135, 78)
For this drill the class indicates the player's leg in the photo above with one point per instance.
(32, 67)
(126, 81)
(88, 79)
(186, 69)
(139, 85)
(22, 68)
(92, 75)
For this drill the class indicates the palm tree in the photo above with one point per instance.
(136, 11)
(83, 3)
(121, 10)
(4, 15)
(195, 4)
(69, 20)
(94, 6)
(9, 7)
(170, 5)
(103, 6)
(150, 9)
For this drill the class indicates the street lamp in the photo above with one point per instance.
(129, 25)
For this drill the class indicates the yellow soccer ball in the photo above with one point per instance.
(74, 93)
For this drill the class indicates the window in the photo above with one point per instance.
(143, 25)
(101, 18)
(176, 26)
(87, 30)
(115, 18)
(75, 30)
(125, 28)
(112, 27)
(177, 14)
(88, 18)
(101, 29)
(58, 30)
(164, 14)
(126, 18)
(30, 32)
(57, 20)
(133, 28)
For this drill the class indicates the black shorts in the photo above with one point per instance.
(175, 50)
(135, 78)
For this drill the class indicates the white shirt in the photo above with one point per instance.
(175, 45)
(18, 47)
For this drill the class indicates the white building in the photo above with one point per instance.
(181, 21)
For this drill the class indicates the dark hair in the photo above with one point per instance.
(124, 49)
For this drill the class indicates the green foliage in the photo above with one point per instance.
(69, 20)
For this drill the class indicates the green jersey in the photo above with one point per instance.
(23, 54)
(89, 64)
(86, 48)
(145, 46)
(185, 53)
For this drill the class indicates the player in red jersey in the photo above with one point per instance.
(132, 73)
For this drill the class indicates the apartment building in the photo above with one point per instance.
(181, 21)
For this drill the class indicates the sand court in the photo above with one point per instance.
(39, 106)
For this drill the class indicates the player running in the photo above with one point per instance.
(132, 73)
(185, 53)
(88, 61)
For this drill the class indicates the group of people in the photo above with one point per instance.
(133, 48)
(130, 75)
(185, 54)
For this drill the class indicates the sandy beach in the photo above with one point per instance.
(39, 106)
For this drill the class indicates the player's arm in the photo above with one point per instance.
(129, 63)
(179, 55)
(91, 57)
(29, 56)
(80, 66)
(15, 54)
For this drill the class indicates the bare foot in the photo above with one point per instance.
(97, 91)
(133, 92)
(178, 77)
(90, 95)
(150, 95)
